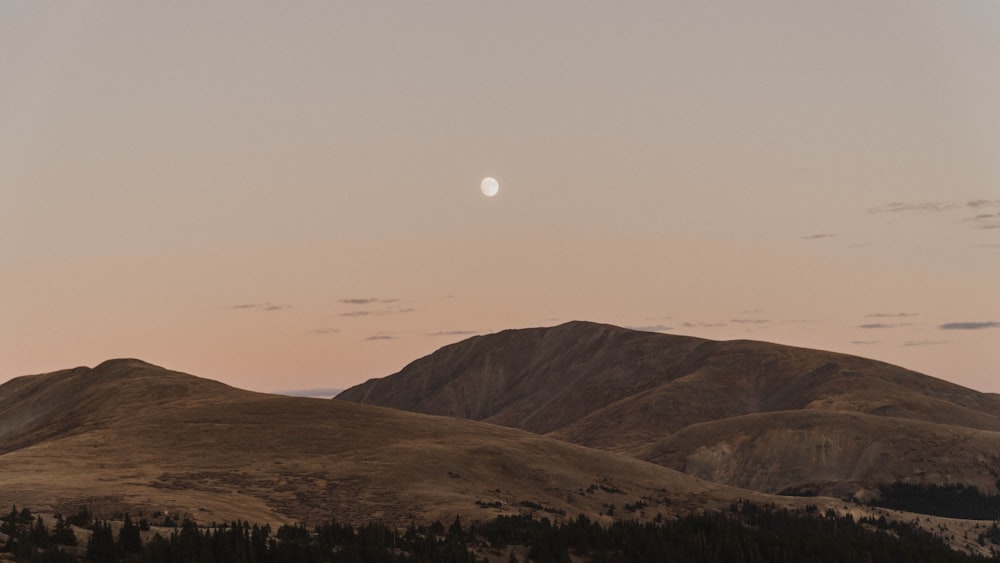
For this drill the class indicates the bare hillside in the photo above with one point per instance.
(130, 436)
(655, 396)
(39, 407)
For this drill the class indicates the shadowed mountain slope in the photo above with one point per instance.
(657, 397)
(130, 436)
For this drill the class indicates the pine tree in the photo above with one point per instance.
(129, 539)
(63, 534)
(10, 522)
(101, 548)
(455, 533)
(38, 536)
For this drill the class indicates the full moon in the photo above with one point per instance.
(489, 186)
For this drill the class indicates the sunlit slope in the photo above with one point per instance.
(129, 436)
(56, 405)
(671, 398)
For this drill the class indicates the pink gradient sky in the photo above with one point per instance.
(285, 196)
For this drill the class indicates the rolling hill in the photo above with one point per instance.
(774, 418)
(127, 436)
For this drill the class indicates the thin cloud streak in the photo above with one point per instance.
(978, 203)
(819, 236)
(687, 324)
(925, 207)
(324, 331)
(970, 325)
(983, 220)
(377, 313)
(261, 306)
(926, 342)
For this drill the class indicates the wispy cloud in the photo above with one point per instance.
(970, 325)
(890, 315)
(455, 333)
(798, 322)
(324, 331)
(922, 207)
(366, 300)
(378, 312)
(925, 342)
(651, 328)
(865, 342)
(381, 337)
(980, 203)
(687, 324)
(261, 306)
(750, 321)
(985, 220)
(982, 220)
(883, 325)
(819, 236)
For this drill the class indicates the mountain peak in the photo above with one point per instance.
(116, 364)
(62, 403)
(643, 393)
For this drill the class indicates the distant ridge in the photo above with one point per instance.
(320, 393)
(754, 414)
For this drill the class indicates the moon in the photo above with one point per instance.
(489, 187)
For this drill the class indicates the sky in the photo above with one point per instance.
(286, 195)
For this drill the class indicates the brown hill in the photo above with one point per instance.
(675, 400)
(130, 436)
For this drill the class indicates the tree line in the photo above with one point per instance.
(952, 501)
(747, 533)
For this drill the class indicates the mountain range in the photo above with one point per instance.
(580, 418)
(127, 436)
